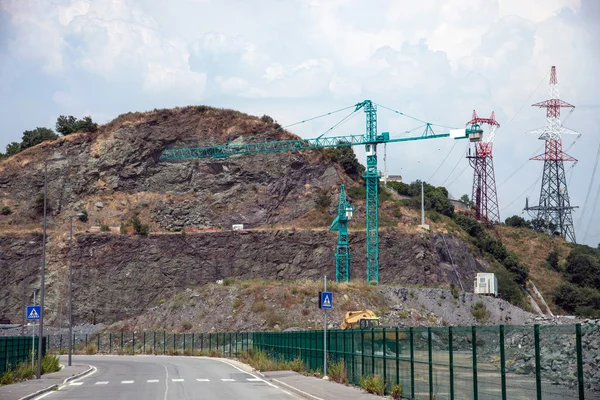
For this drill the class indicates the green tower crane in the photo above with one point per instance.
(340, 224)
(370, 140)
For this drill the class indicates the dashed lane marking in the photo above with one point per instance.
(228, 380)
(177, 380)
(152, 381)
(202, 380)
(75, 383)
(102, 383)
(126, 381)
(254, 379)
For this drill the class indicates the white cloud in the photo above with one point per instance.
(433, 59)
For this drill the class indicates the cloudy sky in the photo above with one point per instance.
(295, 59)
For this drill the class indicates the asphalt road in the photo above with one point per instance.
(165, 378)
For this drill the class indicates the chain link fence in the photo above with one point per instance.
(547, 362)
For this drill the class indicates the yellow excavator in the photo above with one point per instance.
(367, 319)
(363, 319)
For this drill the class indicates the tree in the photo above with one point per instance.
(517, 222)
(87, 125)
(552, 260)
(345, 156)
(465, 199)
(13, 148)
(66, 125)
(37, 136)
(69, 124)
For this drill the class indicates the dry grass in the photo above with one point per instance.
(532, 248)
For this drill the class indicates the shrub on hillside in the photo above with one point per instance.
(517, 222)
(7, 211)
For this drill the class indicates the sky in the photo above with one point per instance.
(434, 60)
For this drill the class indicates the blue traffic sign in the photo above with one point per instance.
(33, 313)
(326, 299)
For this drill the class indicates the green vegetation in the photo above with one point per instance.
(322, 200)
(260, 361)
(373, 384)
(479, 311)
(552, 260)
(344, 155)
(510, 273)
(581, 293)
(337, 372)
(465, 200)
(436, 198)
(38, 204)
(138, 227)
(24, 371)
(6, 210)
(65, 125)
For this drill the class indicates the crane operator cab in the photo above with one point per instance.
(369, 323)
(475, 133)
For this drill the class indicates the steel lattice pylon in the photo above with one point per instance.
(554, 209)
(484, 196)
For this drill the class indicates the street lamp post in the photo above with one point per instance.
(42, 311)
(71, 284)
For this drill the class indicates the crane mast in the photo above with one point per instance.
(369, 139)
(340, 224)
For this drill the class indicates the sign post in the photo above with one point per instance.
(33, 314)
(325, 302)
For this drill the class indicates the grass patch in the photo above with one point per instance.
(24, 371)
(337, 372)
(479, 311)
(373, 384)
(260, 361)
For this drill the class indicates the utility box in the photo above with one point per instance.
(486, 283)
(237, 227)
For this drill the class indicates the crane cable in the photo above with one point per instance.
(587, 196)
(443, 161)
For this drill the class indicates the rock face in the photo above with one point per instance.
(117, 170)
(119, 276)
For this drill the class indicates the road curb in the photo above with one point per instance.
(55, 386)
(295, 390)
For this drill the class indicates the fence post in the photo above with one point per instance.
(397, 347)
(184, 343)
(451, 362)
(412, 364)
(121, 342)
(384, 361)
(144, 349)
(373, 351)
(362, 352)
(538, 373)
(110, 345)
(502, 363)
(353, 357)
(154, 343)
(133, 342)
(579, 361)
(60, 345)
(98, 338)
(164, 342)
(430, 359)
(474, 351)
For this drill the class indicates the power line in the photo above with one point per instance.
(458, 162)
(443, 161)
(589, 186)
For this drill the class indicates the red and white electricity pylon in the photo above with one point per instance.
(485, 197)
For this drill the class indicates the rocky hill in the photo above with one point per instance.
(287, 201)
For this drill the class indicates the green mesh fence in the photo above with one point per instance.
(17, 349)
(483, 362)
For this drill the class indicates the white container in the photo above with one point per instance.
(486, 283)
(237, 227)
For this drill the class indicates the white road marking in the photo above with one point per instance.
(286, 392)
(254, 379)
(126, 381)
(241, 370)
(203, 380)
(152, 381)
(228, 380)
(102, 383)
(177, 380)
(75, 383)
